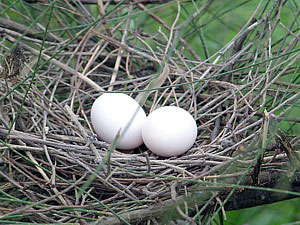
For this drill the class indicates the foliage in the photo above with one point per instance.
(277, 213)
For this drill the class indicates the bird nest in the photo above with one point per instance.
(55, 169)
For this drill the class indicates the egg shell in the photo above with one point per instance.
(112, 112)
(169, 131)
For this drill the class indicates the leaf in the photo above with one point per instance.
(141, 98)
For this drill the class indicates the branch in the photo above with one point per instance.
(247, 198)
(22, 29)
(242, 197)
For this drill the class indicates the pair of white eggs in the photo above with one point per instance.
(167, 131)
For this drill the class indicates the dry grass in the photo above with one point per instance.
(53, 167)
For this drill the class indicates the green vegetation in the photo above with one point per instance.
(280, 213)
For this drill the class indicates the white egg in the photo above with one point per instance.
(169, 131)
(114, 112)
